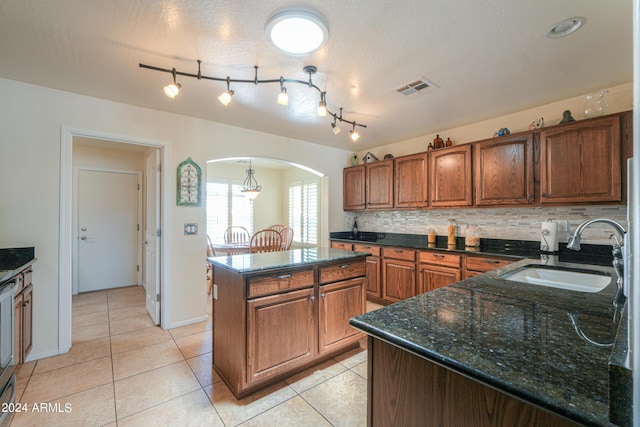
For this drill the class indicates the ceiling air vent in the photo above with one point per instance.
(419, 85)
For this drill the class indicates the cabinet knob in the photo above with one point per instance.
(26, 303)
(345, 266)
(312, 298)
(323, 295)
(284, 276)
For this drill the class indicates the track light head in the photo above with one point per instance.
(354, 135)
(322, 107)
(173, 89)
(225, 97)
(336, 130)
(283, 98)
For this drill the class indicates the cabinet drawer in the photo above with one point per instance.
(445, 260)
(27, 276)
(485, 263)
(338, 272)
(341, 245)
(397, 253)
(373, 250)
(282, 282)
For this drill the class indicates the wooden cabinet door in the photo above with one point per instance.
(432, 277)
(372, 279)
(27, 321)
(411, 181)
(399, 279)
(353, 191)
(379, 182)
(503, 171)
(338, 303)
(476, 265)
(450, 176)
(581, 162)
(280, 333)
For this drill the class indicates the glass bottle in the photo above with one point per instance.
(448, 142)
(472, 236)
(451, 232)
(438, 142)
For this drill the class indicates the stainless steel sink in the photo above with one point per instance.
(561, 278)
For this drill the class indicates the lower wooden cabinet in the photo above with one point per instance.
(398, 274)
(437, 270)
(372, 281)
(23, 317)
(268, 325)
(275, 341)
(338, 303)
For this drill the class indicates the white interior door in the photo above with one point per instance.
(107, 230)
(151, 277)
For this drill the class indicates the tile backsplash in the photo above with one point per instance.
(497, 223)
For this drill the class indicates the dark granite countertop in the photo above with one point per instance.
(517, 249)
(512, 336)
(14, 260)
(262, 262)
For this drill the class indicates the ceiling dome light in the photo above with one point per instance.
(565, 27)
(297, 31)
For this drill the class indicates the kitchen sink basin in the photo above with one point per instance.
(562, 278)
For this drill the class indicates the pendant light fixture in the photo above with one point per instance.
(355, 136)
(334, 127)
(250, 187)
(225, 97)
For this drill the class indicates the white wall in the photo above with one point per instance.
(31, 119)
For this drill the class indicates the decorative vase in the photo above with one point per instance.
(595, 104)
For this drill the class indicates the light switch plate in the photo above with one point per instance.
(190, 229)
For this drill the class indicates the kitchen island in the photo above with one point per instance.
(280, 312)
(492, 352)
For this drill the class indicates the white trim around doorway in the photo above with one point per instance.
(65, 239)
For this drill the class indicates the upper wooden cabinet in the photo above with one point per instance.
(503, 171)
(353, 192)
(581, 162)
(450, 176)
(411, 181)
(379, 183)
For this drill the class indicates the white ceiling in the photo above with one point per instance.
(488, 58)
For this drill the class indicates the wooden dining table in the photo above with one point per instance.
(231, 247)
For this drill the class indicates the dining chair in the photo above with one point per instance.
(287, 238)
(236, 234)
(265, 241)
(278, 227)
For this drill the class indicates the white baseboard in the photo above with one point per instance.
(188, 322)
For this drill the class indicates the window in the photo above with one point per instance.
(227, 206)
(303, 211)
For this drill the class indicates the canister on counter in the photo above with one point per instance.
(451, 232)
(472, 236)
(431, 236)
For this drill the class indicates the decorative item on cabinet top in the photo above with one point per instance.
(369, 158)
(189, 180)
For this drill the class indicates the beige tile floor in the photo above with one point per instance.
(124, 371)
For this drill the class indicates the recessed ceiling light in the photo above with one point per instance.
(297, 31)
(566, 27)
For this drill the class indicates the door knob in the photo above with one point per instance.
(83, 229)
(83, 237)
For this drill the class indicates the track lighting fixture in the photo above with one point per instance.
(354, 135)
(225, 97)
(283, 98)
(173, 89)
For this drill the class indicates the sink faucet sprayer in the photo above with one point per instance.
(618, 259)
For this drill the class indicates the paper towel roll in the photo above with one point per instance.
(549, 236)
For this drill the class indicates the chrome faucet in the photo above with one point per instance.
(618, 259)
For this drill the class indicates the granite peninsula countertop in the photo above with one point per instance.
(266, 261)
(515, 337)
(14, 260)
